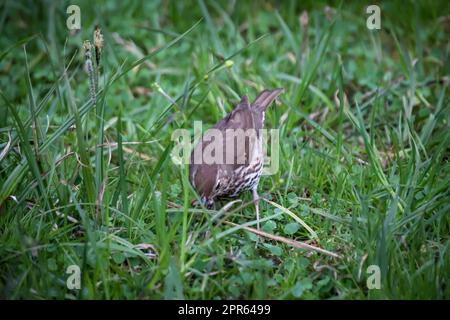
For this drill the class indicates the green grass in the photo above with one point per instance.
(365, 175)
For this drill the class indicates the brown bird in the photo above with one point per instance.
(228, 159)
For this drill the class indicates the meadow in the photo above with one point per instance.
(87, 180)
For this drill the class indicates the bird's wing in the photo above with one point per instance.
(210, 154)
(239, 136)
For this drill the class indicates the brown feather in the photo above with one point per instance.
(211, 180)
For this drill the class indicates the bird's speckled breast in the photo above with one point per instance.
(245, 177)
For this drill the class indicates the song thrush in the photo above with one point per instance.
(228, 159)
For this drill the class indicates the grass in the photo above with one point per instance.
(363, 169)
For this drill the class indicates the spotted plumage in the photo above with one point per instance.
(238, 138)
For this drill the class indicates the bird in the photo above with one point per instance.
(228, 159)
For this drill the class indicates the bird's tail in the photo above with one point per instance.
(265, 98)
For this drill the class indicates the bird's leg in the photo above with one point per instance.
(256, 202)
(211, 204)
